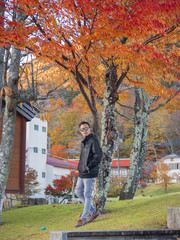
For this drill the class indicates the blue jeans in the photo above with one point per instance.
(84, 189)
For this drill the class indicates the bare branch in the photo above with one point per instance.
(124, 90)
(7, 52)
(124, 106)
(78, 77)
(123, 75)
(159, 106)
(123, 114)
(164, 103)
(155, 99)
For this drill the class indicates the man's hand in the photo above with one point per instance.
(87, 169)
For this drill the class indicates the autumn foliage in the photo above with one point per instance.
(59, 150)
(161, 174)
(63, 187)
(31, 183)
(81, 36)
(95, 45)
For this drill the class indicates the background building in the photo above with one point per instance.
(120, 167)
(16, 179)
(57, 168)
(173, 162)
(36, 155)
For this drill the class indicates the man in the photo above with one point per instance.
(88, 168)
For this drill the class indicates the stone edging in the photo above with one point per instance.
(124, 234)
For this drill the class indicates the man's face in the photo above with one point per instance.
(85, 130)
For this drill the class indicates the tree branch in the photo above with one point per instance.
(158, 36)
(91, 107)
(123, 114)
(155, 99)
(123, 75)
(70, 45)
(124, 106)
(164, 103)
(160, 105)
(126, 89)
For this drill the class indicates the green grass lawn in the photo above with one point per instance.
(140, 213)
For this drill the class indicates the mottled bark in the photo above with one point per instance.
(9, 121)
(138, 151)
(108, 138)
(2, 53)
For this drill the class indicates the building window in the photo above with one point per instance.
(43, 129)
(35, 150)
(43, 151)
(123, 172)
(173, 165)
(43, 174)
(36, 127)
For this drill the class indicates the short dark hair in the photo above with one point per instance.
(84, 122)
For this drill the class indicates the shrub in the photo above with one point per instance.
(115, 187)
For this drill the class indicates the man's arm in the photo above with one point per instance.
(97, 154)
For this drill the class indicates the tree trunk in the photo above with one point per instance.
(2, 53)
(165, 185)
(9, 122)
(108, 138)
(138, 151)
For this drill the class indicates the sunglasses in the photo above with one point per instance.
(83, 129)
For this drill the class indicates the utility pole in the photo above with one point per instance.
(118, 144)
(49, 146)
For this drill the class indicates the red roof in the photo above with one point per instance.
(123, 163)
(60, 163)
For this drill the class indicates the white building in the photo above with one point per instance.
(120, 167)
(36, 146)
(57, 168)
(173, 162)
(47, 168)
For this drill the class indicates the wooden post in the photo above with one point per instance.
(173, 218)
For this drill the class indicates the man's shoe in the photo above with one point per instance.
(94, 216)
(81, 223)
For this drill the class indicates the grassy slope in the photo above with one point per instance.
(140, 213)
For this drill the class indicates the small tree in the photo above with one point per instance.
(63, 187)
(31, 182)
(116, 184)
(161, 174)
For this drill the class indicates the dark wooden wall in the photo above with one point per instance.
(15, 183)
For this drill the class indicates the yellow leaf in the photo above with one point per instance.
(1, 92)
(61, 104)
(26, 73)
(48, 116)
(53, 102)
(8, 90)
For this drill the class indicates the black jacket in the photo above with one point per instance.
(90, 157)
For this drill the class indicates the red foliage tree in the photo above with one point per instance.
(100, 44)
(31, 183)
(59, 150)
(63, 187)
